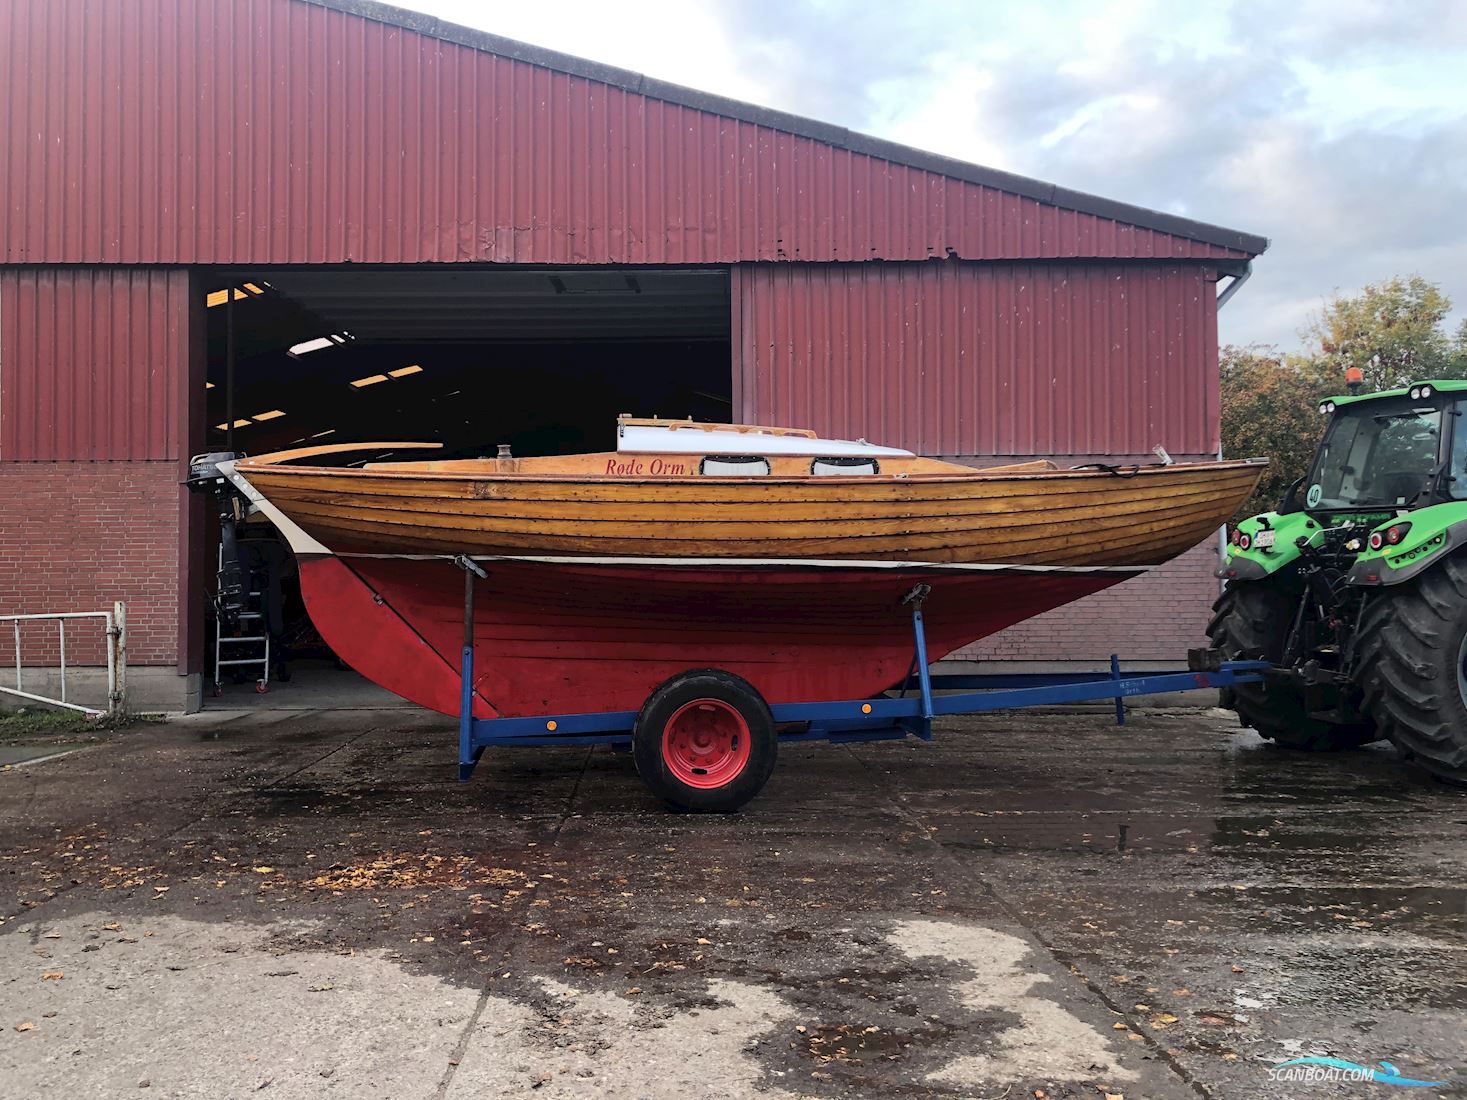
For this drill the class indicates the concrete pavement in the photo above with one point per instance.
(303, 904)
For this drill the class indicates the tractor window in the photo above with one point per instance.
(1376, 456)
(1458, 469)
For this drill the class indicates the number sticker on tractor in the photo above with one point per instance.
(1264, 539)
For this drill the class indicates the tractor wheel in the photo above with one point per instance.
(1251, 622)
(1410, 657)
(705, 742)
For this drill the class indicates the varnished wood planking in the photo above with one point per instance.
(1126, 541)
(1009, 526)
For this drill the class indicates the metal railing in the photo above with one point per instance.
(114, 625)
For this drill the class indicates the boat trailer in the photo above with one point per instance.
(699, 757)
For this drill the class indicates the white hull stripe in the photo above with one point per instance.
(779, 563)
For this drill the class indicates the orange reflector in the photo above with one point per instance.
(865, 708)
(550, 725)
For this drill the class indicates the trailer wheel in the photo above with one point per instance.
(705, 742)
(1410, 657)
(1251, 621)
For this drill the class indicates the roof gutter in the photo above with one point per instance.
(1238, 280)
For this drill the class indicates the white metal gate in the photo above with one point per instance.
(114, 624)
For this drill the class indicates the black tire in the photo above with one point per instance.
(738, 732)
(1410, 658)
(1251, 621)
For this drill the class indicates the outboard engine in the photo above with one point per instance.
(204, 477)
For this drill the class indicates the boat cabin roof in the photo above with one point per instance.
(654, 436)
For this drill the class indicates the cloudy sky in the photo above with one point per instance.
(1336, 128)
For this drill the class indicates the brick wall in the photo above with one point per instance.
(1157, 616)
(77, 536)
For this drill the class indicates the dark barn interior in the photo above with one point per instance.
(542, 360)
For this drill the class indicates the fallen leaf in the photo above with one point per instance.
(1215, 1021)
(1118, 1026)
(264, 870)
(24, 1025)
(704, 942)
(52, 975)
(634, 990)
(1237, 970)
(112, 926)
(1115, 1096)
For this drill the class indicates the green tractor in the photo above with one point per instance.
(1356, 588)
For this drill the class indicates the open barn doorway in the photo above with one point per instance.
(539, 359)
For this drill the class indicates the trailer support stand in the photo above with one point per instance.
(1115, 674)
(468, 753)
(923, 728)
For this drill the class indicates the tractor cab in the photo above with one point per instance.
(1389, 452)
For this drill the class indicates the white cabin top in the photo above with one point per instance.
(685, 437)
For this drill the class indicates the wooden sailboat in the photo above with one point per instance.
(873, 504)
(766, 552)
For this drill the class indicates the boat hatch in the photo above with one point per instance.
(734, 466)
(843, 467)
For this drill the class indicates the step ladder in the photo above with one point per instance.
(252, 620)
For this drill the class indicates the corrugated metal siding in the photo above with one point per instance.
(275, 131)
(983, 359)
(91, 363)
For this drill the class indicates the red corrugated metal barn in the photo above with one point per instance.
(471, 239)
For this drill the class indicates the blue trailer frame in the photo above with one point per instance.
(877, 719)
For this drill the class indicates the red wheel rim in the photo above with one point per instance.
(705, 743)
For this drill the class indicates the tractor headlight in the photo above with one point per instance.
(1326, 407)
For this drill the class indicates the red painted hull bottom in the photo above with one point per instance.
(557, 638)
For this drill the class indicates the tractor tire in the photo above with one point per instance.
(1410, 659)
(1251, 621)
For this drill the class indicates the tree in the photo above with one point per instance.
(1270, 410)
(1393, 331)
